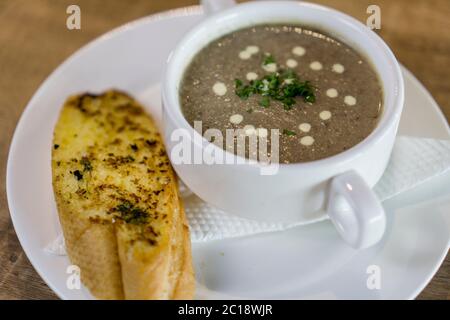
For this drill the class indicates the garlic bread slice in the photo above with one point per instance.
(118, 203)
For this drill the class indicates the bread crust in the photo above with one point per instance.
(93, 248)
(185, 289)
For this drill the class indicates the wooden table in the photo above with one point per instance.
(34, 40)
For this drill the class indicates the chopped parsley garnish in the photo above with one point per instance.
(289, 132)
(131, 214)
(242, 91)
(86, 163)
(283, 86)
(289, 74)
(268, 60)
(124, 207)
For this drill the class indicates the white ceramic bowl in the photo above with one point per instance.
(339, 186)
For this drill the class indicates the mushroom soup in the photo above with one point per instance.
(322, 96)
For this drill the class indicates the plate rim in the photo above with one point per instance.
(429, 97)
(173, 13)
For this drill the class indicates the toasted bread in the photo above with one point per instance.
(118, 203)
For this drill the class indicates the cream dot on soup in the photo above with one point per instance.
(325, 115)
(350, 100)
(307, 140)
(251, 76)
(236, 118)
(305, 127)
(332, 93)
(291, 63)
(245, 55)
(252, 49)
(338, 68)
(298, 51)
(271, 67)
(220, 88)
(316, 66)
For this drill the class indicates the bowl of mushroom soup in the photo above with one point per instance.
(284, 111)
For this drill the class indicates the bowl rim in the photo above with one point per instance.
(172, 107)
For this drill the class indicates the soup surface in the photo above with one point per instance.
(321, 95)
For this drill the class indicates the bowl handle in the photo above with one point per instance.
(213, 6)
(355, 210)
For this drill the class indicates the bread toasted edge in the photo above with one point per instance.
(170, 275)
(84, 241)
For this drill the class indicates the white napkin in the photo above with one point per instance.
(413, 161)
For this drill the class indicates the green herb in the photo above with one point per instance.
(124, 207)
(289, 132)
(268, 60)
(131, 214)
(242, 91)
(78, 175)
(86, 163)
(289, 74)
(283, 86)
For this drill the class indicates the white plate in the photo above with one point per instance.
(308, 262)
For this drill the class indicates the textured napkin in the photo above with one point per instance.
(413, 161)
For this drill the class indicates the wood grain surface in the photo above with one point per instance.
(34, 40)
